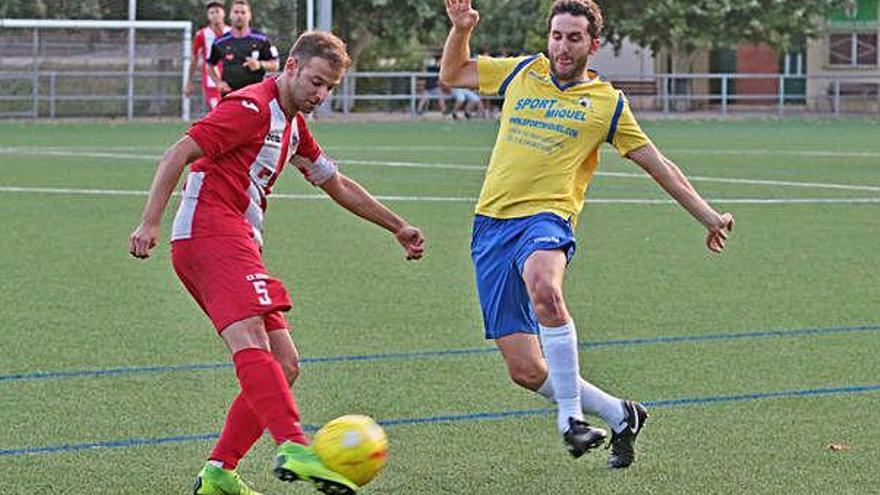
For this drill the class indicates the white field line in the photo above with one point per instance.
(695, 151)
(453, 199)
(451, 166)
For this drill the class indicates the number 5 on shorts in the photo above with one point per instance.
(262, 292)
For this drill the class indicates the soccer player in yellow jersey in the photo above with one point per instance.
(555, 116)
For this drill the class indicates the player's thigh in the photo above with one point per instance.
(228, 279)
(544, 270)
(504, 300)
(249, 333)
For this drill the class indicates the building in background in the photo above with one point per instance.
(847, 50)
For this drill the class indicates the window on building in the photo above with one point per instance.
(852, 49)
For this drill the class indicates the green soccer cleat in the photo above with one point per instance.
(216, 481)
(299, 462)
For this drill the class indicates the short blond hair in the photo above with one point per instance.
(321, 44)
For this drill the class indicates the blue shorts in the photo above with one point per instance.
(499, 249)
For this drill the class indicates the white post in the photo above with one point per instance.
(325, 15)
(836, 97)
(187, 48)
(132, 7)
(665, 94)
(781, 96)
(413, 104)
(35, 81)
(52, 93)
(310, 15)
(325, 23)
(724, 93)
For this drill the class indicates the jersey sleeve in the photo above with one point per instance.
(268, 51)
(198, 43)
(494, 74)
(235, 122)
(315, 166)
(625, 134)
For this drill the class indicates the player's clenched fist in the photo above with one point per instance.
(412, 241)
(717, 236)
(143, 239)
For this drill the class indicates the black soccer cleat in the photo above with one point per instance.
(623, 444)
(581, 437)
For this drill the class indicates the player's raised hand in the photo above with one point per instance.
(462, 14)
(143, 239)
(412, 240)
(717, 236)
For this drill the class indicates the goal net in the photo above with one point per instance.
(91, 68)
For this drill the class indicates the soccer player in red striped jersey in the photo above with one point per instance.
(201, 51)
(236, 153)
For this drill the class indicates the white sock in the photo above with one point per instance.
(593, 401)
(218, 464)
(561, 352)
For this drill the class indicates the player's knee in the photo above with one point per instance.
(548, 300)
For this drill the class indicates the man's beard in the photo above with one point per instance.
(577, 68)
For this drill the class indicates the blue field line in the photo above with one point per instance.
(676, 339)
(449, 418)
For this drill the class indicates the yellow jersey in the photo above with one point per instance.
(547, 147)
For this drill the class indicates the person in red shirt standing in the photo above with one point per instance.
(236, 153)
(201, 51)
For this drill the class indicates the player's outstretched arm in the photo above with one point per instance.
(669, 176)
(456, 67)
(143, 239)
(354, 198)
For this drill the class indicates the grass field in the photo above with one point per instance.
(753, 363)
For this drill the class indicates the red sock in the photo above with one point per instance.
(265, 389)
(241, 431)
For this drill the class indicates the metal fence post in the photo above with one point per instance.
(346, 94)
(52, 93)
(132, 8)
(665, 94)
(35, 81)
(781, 96)
(837, 97)
(724, 92)
(412, 96)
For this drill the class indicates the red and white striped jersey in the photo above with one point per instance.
(201, 49)
(246, 142)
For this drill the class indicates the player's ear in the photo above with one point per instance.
(594, 46)
(291, 64)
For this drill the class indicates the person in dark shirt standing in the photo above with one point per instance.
(246, 54)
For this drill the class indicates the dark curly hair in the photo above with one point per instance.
(586, 8)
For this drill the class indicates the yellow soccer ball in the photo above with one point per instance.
(353, 446)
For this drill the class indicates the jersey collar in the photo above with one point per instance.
(594, 76)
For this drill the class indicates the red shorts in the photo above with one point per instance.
(212, 97)
(226, 276)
